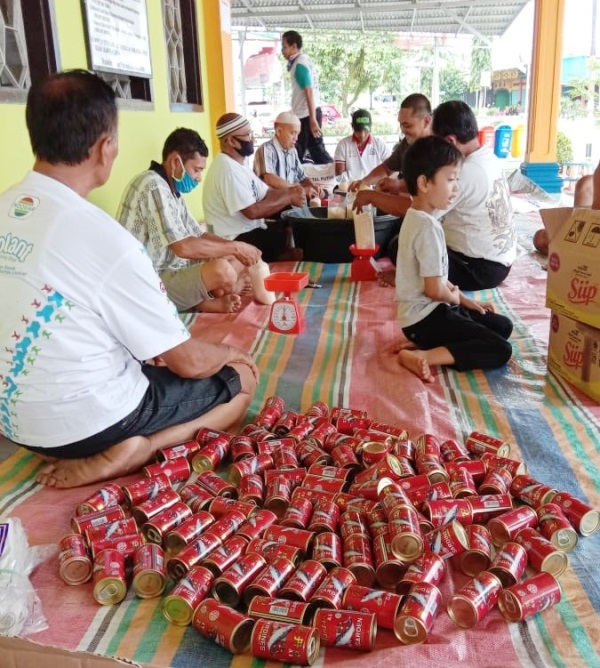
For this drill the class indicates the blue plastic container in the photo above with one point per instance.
(502, 141)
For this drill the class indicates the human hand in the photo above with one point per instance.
(238, 356)
(455, 296)
(355, 186)
(314, 127)
(362, 199)
(297, 195)
(389, 184)
(247, 254)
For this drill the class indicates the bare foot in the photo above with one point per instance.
(387, 278)
(416, 361)
(405, 345)
(118, 460)
(244, 285)
(225, 304)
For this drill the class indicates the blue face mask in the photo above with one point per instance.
(186, 183)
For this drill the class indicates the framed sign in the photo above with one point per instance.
(117, 36)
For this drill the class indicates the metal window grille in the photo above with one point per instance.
(175, 51)
(120, 83)
(14, 63)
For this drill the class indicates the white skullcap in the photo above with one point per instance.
(235, 122)
(287, 118)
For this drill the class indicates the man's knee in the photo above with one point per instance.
(248, 380)
(219, 274)
(584, 192)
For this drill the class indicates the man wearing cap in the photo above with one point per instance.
(361, 152)
(276, 161)
(306, 98)
(236, 202)
(199, 270)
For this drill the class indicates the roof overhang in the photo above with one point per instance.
(482, 18)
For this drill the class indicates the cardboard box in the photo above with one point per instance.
(573, 287)
(574, 353)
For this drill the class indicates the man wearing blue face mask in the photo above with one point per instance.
(200, 270)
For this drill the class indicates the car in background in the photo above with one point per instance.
(331, 114)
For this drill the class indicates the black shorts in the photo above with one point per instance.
(169, 400)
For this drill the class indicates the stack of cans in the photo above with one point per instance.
(320, 528)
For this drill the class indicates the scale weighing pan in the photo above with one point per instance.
(286, 281)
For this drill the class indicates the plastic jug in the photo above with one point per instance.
(503, 141)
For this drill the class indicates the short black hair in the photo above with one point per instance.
(418, 103)
(425, 157)
(292, 37)
(186, 142)
(67, 112)
(455, 118)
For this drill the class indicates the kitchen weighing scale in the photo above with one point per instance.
(286, 316)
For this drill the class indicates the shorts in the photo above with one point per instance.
(169, 400)
(185, 286)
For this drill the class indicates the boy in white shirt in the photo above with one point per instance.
(443, 327)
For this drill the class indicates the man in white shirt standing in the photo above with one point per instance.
(306, 99)
(86, 309)
(236, 202)
(361, 152)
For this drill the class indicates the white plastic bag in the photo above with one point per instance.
(20, 606)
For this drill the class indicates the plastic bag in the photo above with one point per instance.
(20, 606)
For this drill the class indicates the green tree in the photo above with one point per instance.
(353, 63)
(481, 61)
(453, 84)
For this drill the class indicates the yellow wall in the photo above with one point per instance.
(141, 133)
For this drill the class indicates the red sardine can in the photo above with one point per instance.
(419, 608)
(477, 557)
(176, 539)
(186, 450)
(509, 563)
(126, 545)
(327, 549)
(299, 538)
(226, 626)
(110, 494)
(477, 443)
(178, 607)
(583, 517)
(110, 584)
(384, 604)
(177, 470)
(226, 555)
(145, 488)
(529, 597)
(325, 516)
(271, 549)
(429, 567)
(531, 491)
(256, 524)
(270, 580)
(489, 505)
(505, 527)
(149, 575)
(304, 582)
(82, 523)
(229, 587)
(331, 591)
(124, 527)
(554, 525)
(542, 554)
(75, 564)
(280, 610)
(472, 602)
(349, 629)
(447, 541)
(289, 643)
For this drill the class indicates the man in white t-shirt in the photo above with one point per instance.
(479, 228)
(87, 308)
(200, 270)
(361, 152)
(236, 202)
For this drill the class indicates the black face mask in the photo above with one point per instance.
(246, 148)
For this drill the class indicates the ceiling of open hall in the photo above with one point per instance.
(483, 18)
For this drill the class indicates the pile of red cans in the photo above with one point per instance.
(320, 528)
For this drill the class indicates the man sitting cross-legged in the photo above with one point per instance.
(200, 270)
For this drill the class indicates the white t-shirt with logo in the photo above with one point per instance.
(357, 165)
(229, 187)
(82, 305)
(421, 253)
(480, 223)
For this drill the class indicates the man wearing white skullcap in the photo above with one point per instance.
(276, 161)
(236, 202)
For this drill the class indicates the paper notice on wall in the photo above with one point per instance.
(226, 16)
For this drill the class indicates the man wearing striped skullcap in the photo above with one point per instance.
(236, 202)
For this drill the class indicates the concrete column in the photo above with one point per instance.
(544, 104)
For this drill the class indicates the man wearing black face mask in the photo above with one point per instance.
(199, 270)
(236, 202)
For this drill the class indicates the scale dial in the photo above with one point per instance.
(284, 315)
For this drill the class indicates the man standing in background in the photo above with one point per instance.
(306, 99)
